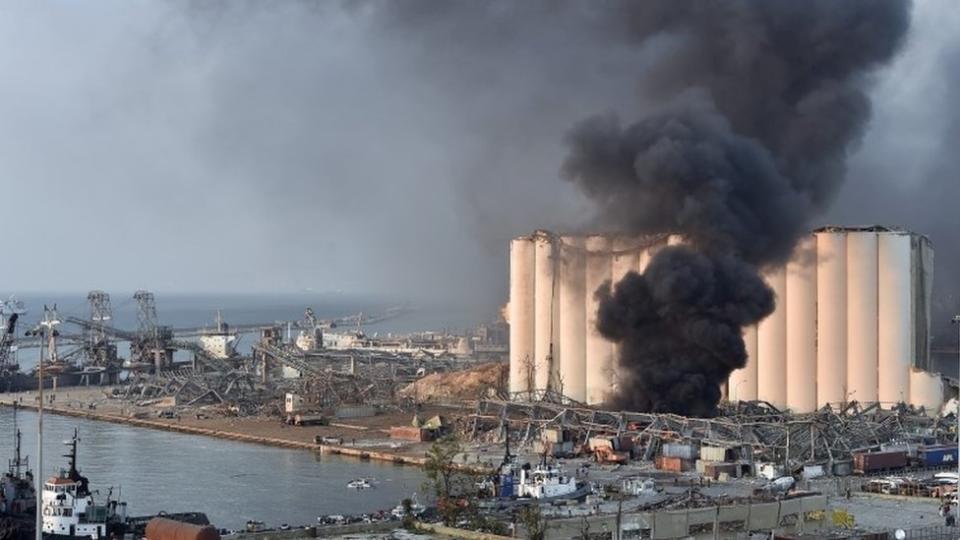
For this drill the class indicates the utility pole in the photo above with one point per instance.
(39, 489)
(956, 321)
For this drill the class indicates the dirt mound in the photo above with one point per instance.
(481, 381)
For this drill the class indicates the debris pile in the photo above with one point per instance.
(483, 381)
(749, 433)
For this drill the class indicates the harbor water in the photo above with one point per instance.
(231, 482)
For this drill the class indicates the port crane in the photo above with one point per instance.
(10, 312)
(201, 355)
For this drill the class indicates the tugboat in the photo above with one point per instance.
(416, 509)
(546, 482)
(17, 495)
(70, 511)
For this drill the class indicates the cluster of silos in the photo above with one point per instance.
(554, 342)
(851, 321)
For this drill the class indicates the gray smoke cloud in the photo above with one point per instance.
(767, 99)
(907, 174)
(376, 147)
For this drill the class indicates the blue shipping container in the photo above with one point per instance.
(506, 486)
(939, 455)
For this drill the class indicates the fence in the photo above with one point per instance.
(930, 533)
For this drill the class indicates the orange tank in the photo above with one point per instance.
(169, 529)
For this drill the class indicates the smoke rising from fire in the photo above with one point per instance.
(762, 102)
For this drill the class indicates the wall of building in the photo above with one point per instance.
(851, 321)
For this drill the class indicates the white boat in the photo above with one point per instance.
(545, 482)
(416, 509)
(69, 510)
(360, 483)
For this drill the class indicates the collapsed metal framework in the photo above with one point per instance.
(757, 430)
(327, 380)
(190, 387)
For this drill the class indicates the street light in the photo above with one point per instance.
(956, 321)
(39, 332)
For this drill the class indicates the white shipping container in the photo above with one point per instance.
(683, 451)
(769, 471)
(713, 453)
(813, 471)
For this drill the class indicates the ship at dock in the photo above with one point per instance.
(17, 494)
(99, 365)
(70, 510)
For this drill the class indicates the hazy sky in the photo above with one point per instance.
(286, 146)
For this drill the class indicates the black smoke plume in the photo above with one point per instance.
(759, 104)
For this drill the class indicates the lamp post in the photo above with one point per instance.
(46, 330)
(38, 331)
(956, 321)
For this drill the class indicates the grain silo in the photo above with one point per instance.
(772, 344)
(599, 352)
(520, 314)
(573, 298)
(851, 321)
(545, 311)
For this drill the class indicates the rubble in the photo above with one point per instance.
(750, 432)
(483, 381)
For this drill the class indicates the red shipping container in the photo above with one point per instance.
(667, 463)
(410, 433)
(866, 462)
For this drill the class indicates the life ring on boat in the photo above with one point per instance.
(47, 511)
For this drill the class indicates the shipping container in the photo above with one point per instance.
(713, 453)
(683, 451)
(599, 442)
(310, 420)
(410, 433)
(769, 471)
(715, 469)
(842, 468)
(670, 463)
(355, 411)
(867, 462)
(813, 471)
(936, 456)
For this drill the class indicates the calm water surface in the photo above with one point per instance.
(230, 481)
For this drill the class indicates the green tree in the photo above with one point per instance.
(533, 521)
(407, 505)
(440, 467)
(446, 479)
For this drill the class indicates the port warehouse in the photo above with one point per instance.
(851, 322)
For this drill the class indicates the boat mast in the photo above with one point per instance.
(18, 463)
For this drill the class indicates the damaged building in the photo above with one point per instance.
(851, 321)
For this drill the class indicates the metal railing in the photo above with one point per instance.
(930, 533)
